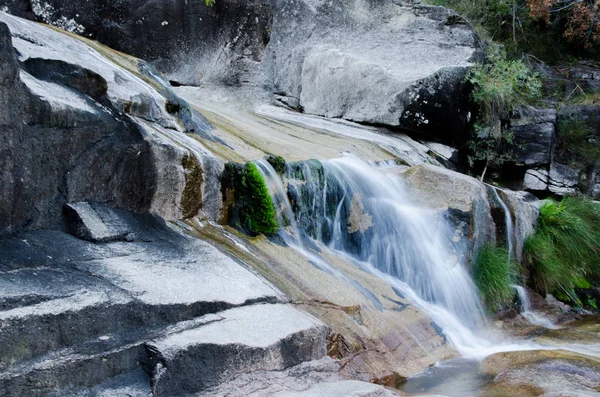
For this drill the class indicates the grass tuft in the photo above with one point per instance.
(564, 253)
(259, 212)
(494, 275)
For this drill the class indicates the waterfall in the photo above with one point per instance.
(364, 214)
(508, 224)
(527, 310)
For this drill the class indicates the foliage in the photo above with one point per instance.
(494, 275)
(573, 142)
(526, 26)
(210, 3)
(565, 248)
(258, 213)
(581, 18)
(499, 87)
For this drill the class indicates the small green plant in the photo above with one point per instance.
(564, 252)
(494, 275)
(210, 3)
(499, 87)
(258, 213)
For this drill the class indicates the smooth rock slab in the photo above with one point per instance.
(246, 339)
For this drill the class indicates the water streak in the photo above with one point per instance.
(508, 224)
(528, 312)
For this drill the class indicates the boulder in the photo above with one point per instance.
(99, 225)
(536, 179)
(547, 372)
(405, 73)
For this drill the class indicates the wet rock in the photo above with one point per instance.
(554, 372)
(524, 210)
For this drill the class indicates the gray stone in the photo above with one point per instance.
(242, 340)
(463, 198)
(563, 180)
(536, 180)
(85, 223)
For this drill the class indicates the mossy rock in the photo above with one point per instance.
(191, 200)
(252, 209)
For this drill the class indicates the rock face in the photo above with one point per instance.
(535, 137)
(323, 57)
(406, 73)
(76, 314)
(83, 123)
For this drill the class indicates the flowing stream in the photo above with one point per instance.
(364, 214)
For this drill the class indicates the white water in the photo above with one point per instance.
(508, 224)
(528, 312)
(404, 245)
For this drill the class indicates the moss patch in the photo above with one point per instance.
(191, 200)
(252, 209)
(278, 164)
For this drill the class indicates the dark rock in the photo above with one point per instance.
(533, 143)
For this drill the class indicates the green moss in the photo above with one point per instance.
(494, 275)
(278, 164)
(259, 211)
(564, 252)
(191, 200)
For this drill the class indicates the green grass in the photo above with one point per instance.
(494, 275)
(564, 252)
(258, 213)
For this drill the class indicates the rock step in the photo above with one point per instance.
(258, 337)
(27, 333)
(183, 358)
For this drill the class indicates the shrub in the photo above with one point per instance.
(499, 87)
(258, 212)
(494, 274)
(564, 252)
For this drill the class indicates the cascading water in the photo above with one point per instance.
(508, 224)
(364, 214)
(528, 312)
